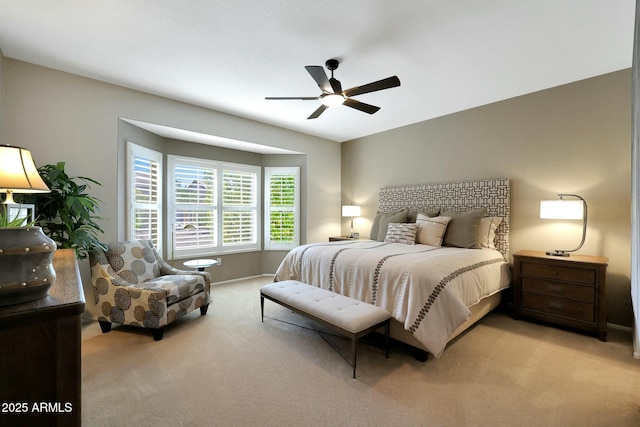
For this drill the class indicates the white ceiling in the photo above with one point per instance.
(228, 55)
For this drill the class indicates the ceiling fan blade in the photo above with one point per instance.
(367, 108)
(387, 83)
(336, 85)
(317, 113)
(318, 74)
(302, 98)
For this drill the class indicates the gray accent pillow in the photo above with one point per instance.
(375, 227)
(412, 215)
(387, 218)
(463, 231)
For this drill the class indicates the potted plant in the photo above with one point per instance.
(7, 222)
(67, 214)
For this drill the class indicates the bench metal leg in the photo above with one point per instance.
(262, 307)
(386, 339)
(354, 354)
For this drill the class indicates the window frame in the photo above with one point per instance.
(137, 151)
(269, 171)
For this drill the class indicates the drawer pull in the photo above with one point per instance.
(556, 289)
(555, 305)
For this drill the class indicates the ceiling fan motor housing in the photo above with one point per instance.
(332, 64)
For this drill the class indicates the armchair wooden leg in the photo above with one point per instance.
(105, 326)
(157, 334)
(203, 309)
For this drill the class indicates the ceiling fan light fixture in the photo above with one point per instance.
(332, 94)
(332, 99)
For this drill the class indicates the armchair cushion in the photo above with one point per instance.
(133, 261)
(178, 287)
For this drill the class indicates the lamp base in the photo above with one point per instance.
(557, 253)
(26, 268)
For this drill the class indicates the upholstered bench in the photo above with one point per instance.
(347, 316)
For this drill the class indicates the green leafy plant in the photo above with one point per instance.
(17, 221)
(68, 214)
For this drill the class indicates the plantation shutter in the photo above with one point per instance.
(239, 207)
(214, 208)
(282, 208)
(144, 176)
(195, 208)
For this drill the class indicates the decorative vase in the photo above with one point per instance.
(26, 268)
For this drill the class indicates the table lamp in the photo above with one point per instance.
(26, 253)
(18, 173)
(351, 211)
(565, 209)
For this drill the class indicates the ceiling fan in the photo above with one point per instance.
(332, 93)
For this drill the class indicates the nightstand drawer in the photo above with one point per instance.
(550, 271)
(558, 306)
(582, 293)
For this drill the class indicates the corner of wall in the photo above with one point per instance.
(1, 91)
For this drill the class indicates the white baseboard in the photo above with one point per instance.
(240, 279)
(629, 329)
(620, 327)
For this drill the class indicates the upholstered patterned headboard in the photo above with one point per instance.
(462, 196)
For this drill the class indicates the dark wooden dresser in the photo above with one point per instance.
(40, 369)
(567, 291)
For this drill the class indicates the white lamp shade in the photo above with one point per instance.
(561, 209)
(18, 173)
(350, 210)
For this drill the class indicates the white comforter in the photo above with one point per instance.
(425, 288)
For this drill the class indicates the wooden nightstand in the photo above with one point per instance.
(339, 238)
(567, 291)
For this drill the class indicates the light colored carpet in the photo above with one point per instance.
(229, 369)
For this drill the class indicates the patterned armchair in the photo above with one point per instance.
(132, 285)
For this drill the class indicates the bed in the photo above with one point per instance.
(436, 259)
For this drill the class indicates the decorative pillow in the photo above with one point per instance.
(388, 218)
(412, 215)
(488, 227)
(402, 233)
(431, 230)
(463, 230)
(375, 226)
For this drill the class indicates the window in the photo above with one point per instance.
(215, 207)
(195, 207)
(282, 208)
(239, 207)
(144, 195)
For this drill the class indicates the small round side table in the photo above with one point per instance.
(200, 264)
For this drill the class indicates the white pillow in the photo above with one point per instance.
(488, 227)
(401, 232)
(431, 229)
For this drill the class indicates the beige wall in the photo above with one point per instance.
(1, 86)
(570, 139)
(63, 117)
